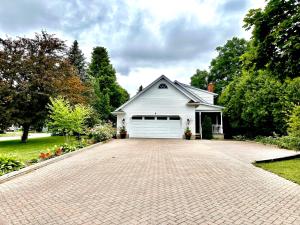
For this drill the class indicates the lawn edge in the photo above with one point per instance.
(28, 169)
(297, 155)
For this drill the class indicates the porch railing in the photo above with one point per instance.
(217, 129)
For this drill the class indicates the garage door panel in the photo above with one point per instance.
(155, 129)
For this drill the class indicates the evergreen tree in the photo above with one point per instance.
(110, 94)
(77, 59)
(207, 128)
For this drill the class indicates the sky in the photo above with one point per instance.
(145, 39)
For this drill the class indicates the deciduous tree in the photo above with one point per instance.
(31, 71)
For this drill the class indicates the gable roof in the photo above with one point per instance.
(198, 89)
(188, 94)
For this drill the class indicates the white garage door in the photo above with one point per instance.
(155, 127)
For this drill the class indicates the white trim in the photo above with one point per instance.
(149, 86)
(216, 106)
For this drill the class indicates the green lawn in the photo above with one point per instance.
(289, 169)
(30, 150)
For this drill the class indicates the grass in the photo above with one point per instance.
(29, 150)
(289, 169)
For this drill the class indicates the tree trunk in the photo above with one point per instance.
(25, 133)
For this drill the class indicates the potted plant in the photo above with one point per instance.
(123, 132)
(188, 133)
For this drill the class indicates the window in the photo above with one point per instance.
(149, 117)
(174, 118)
(162, 118)
(162, 86)
(137, 117)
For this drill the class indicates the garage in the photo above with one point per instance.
(158, 126)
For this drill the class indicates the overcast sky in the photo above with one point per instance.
(145, 38)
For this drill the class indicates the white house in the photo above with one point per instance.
(164, 109)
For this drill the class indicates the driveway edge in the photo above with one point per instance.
(28, 169)
(278, 159)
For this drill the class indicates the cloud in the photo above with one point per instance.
(19, 16)
(230, 6)
(143, 37)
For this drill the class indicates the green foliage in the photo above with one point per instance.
(253, 104)
(67, 119)
(227, 65)
(109, 94)
(287, 142)
(77, 59)
(102, 132)
(276, 37)
(67, 147)
(9, 165)
(239, 138)
(207, 128)
(294, 123)
(31, 71)
(25, 152)
(224, 68)
(200, 79)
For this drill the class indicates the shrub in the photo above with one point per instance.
(240, 138)
(9, 164)
(207, 128)
(294, 122)
(102, 132)
(288, 142)
(68, 147)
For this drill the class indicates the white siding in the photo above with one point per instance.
(160, 102)
(207, 97)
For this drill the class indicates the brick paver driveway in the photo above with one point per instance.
(155, 182)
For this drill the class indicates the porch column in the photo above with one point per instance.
(200, 122)
(221, 129)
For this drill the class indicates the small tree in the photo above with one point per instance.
(66, 119)
(294, 122)
(207, 128)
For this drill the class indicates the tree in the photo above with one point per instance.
(99, 60)
(110, 95)
(200, 79)
(227, 64)
(67, 119)
(207, 128)
(253, 104)
(77, 59)
(276, 37)
(31, 71)
(224, 68)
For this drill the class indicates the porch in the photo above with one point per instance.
(217, 123)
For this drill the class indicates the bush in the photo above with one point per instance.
(288, 142)
(207, 128)
(68, 147)
(240, 138)
(294, 122)
(102, 132)
(9, 165)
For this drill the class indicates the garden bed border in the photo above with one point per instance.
(28, 169)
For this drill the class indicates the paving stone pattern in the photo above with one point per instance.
(154, 182)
